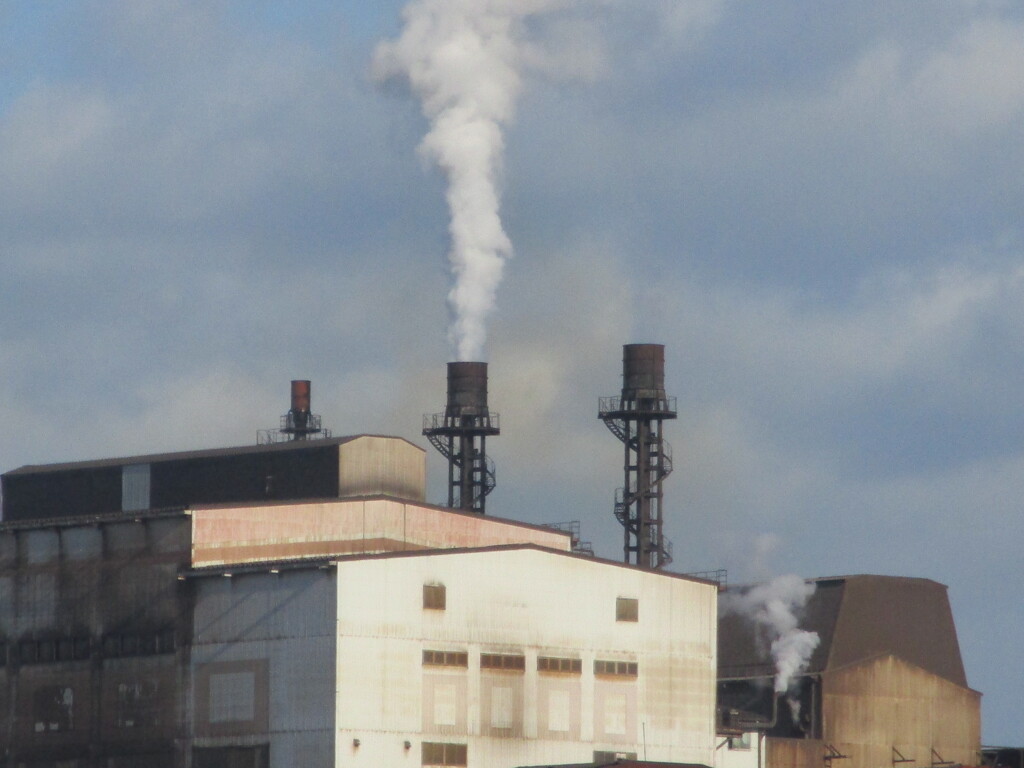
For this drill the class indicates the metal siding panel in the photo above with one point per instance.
(884, 703)
(370, 466)
(528, 602)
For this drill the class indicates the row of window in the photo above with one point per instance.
(48, 650)
(435, 599)
(517, 663)
(443, 754)
(617, 668)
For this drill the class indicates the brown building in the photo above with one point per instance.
(885, 686)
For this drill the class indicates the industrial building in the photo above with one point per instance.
(884, 687)
(298, 603)
(360, 626)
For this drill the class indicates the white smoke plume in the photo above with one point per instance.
(463, 59)
(774, 608)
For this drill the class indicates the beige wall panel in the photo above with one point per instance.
(530, 603)
(871, 708)
(374, 466)
(268, 532)
(796, 753)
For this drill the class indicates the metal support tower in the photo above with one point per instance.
(460, 434)
(636, 419)
(298, 423)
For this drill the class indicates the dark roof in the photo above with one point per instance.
(857, 618)
(621, 764)
(154, 458)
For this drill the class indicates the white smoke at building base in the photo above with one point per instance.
(463, 59)
(774, 609)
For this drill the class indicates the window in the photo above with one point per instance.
(617, 668)
(602, 758)
(53, 709)
(627, 609)
(555, 664)
(502, 661)
(138, 643)
(434, 597)
(436, 753)
(739, 742)
(445, 659)
(236, 757)
(232, 697)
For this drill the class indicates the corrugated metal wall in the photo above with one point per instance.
(531, 604)
(94, 621)
(883, 711)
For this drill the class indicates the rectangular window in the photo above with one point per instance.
(511, 662)
(559, 711)
(739, 742)
(616, 668)
(53, 709)
(502, 707)
(555, 664)
(27, 652)
(436, 753)
(627, 609)
(434, 596)
(135, 487)
(445, 659)
(47, 650)
(601, 758)
(232, 697)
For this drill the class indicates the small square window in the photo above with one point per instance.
(627, 609)
(434, 597)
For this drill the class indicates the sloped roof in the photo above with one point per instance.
(156, 458)
(856, 618)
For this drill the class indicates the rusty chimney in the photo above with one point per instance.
(460, 434)
(635, 417)
(299, 423)
(299, 412)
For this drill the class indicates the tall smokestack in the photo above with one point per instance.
(460, 434)
(635, 417)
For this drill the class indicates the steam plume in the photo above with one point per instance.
(773, 607)
(463, 60)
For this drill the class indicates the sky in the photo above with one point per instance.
(816, 209)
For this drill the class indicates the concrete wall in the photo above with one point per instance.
(532, 604)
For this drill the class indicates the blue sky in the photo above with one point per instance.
(818, 212)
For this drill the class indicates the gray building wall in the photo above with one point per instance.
(93, 643)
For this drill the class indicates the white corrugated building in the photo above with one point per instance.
(497, 656)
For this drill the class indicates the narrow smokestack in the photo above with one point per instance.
(635, 417)
(299, 423)
(299, 412)
(460, 434)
